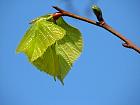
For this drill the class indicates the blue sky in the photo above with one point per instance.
(105, 74)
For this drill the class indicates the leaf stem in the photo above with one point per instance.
(127, 43)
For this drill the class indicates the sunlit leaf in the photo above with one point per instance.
(40, 35)
(52, 46)
(70, 47)
(59, 57)
(52, 63)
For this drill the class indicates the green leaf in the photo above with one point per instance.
(70, 47)
(52, 46)
(59, 57)
(52, 63)
(40, 35)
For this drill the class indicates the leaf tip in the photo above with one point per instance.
(62, 82)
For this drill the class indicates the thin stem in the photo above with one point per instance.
(127, 43)
(66, 13)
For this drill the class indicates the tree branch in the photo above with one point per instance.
(127, 43)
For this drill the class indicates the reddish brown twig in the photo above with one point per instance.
(127, 43)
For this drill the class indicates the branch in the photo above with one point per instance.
(127, 43)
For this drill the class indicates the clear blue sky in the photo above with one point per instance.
(105, 74)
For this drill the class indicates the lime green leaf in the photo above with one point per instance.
(40, 35)
(52, 46)
(59, 57)
(70, 47)
(52, 63)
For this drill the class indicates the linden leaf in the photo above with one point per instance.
(70, 47)
(52, 46)
(59, 57)
(52, 63)
(40, 35)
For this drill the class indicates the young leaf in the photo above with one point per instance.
(53, 63)
(70, 47)
(59, 57)
(40, 35)
(52, 47)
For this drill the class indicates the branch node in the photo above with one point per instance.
(57, 15)
(126, 45)
(101, 23)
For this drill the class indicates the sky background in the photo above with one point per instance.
(105, 73)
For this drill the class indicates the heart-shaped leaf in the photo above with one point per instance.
(40, 35)
(52, 46)
(58, 58)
